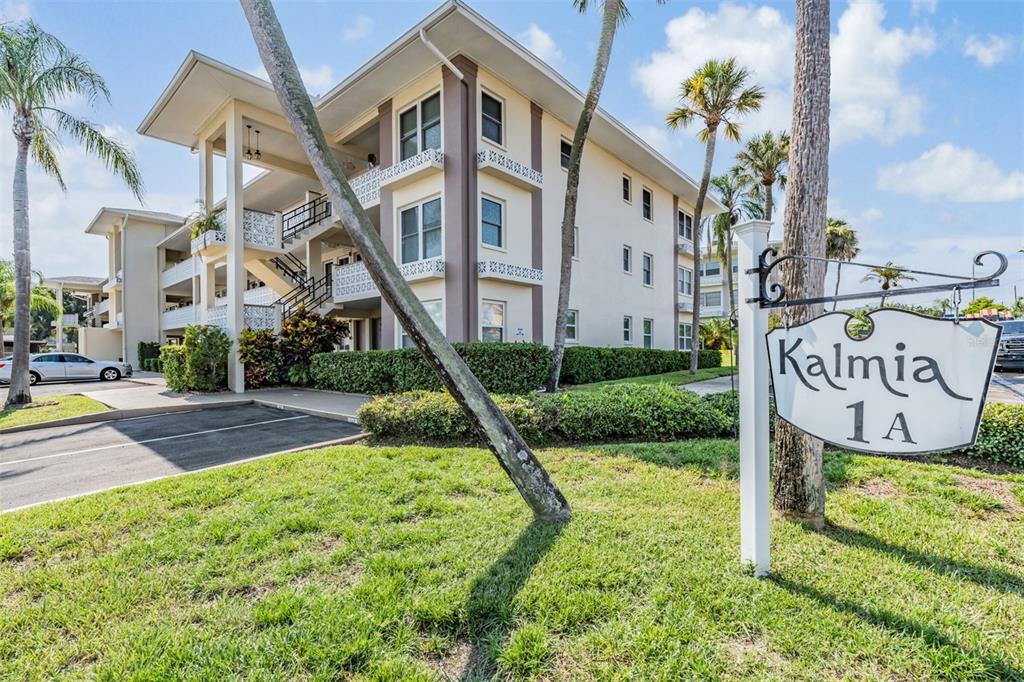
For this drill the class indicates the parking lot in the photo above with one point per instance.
(54, 463)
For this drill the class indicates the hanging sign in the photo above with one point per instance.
(915, 384)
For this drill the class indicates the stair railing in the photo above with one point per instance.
(303, 217)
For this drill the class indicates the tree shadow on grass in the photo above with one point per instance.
(980, 575)
(490, 604)
(994, 668)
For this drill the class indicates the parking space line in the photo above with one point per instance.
(151, 440)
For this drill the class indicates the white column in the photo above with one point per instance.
(206, 173)
(59, 294)
(752, 239)
(235, 247)
(208, 289)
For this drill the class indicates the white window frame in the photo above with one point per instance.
(574, 325)
(561, 141)
(645, 271)
(501, 101)
(418, 106)
(419, 242)
(648, 339)
(685, 336)
(680, 228)
(705, 294)
(627, 251)
(628, 181)
(647, 190)
(688, 289)
(627, 330)
(503, 247)
(504, 321)
(704, 268)
(402, 336)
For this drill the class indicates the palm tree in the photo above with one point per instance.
(38, 71)
(712, 95)
(943, 305)
(840, 244)
(613, 14)
(730, 188)
(527, 473)
(890, 276)
(716, 333)
(41, 299)
(798, 474)
(763, 160)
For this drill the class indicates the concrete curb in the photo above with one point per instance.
(306, 410)
(1008, 385)
(115, 415)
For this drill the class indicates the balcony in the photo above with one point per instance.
(353, 282)
(505, 272)
(711, 280)
(711, 311)
(367, 187)
(685, 305)
(255, 317)
(113, 282)
(180, 317)
(495, 163)
(102, 307)
(684, 246)
(260, 231)
(413, 168)
(178, 272)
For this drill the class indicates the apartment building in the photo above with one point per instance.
(455, 140)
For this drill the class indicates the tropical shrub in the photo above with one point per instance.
(587, 364)
(204, 220)
(303, 335)
(152, 365)
(200, 362)
(148, 350)
(260, 352)
(1001, 434)
(172, 358)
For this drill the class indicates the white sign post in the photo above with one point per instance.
(752, 240)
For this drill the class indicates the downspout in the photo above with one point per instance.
(440, 55)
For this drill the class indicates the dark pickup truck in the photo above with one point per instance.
(1010, 354)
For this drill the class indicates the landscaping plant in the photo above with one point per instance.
(303, 335)
(259, 350)
(200, 362)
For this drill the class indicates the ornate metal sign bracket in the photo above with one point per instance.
(773, 294)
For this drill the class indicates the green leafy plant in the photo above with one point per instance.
(304, 335)
(172, 358)
(587, 364)
(260, 352)
(148, 350)
(205, 220)
(1001, 435)
(200, 363)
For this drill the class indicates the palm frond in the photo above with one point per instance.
(45, 156)
(114, 155)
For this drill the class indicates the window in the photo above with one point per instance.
(571, 320)
(46, 358)
(685, 281)
(566, 153)
(491, 232)
(627, 259)
(685, 330)
(421, 231)
(627, 329)
(491, 113)
(436, 310)
(648, 333)
(627, 189)
(648, 270)
(419, 127)
(711, 299)
(576, 243)
(686, 226)
(647, 200)
(492, 321)
(77, 358)
(710, 268)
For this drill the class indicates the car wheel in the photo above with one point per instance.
(110, 374)
(33, 378)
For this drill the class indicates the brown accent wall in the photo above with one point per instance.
(387, 214)
(460, 204)
(675, 270)
(537, 218)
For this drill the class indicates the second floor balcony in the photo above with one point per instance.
(260, 231)
(353, 282)
(177, 272)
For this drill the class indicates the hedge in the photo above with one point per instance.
(500, 367)
(200, 362)
(151, 365)
(148, 350)
(1001, 435)
(620, 412)
(587, 364)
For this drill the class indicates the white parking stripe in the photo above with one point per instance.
(151, 440)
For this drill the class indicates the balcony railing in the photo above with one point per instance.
(412, 168)
(684, 246)
(367, 187)
(255, 317)
(685, 305)
(352, 282)
(503, 166)
(176, 273)
(259, 230)
(519, 274)
(180, 317)
(102, 307)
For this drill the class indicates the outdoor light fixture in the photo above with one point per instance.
(258, 155)
(248, 149)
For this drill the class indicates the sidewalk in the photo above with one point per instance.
(716, 385)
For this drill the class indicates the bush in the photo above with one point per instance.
(152, 365)
(586, 364)
(172, 358)
(200, 363)
(500, 367)
(303, 335)
(260, 352)
(1001, 435)
(148, 350)
(621, 412)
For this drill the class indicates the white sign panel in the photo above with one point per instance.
(916, 384)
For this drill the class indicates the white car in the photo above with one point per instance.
(66, 367)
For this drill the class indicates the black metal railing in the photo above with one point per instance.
(293, 268)
(309, 295)
(298, 219)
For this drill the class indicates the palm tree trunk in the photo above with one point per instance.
(769, 204)
(528, 474)
(609, 22)
(799, 490)
(839, 272)
(19, 393)
(702, 192)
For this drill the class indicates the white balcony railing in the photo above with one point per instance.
(353, 282)
(259, 230)
(255, 317)
(102, 307)
(503, 166)
(711, 311)
(178, 272)
(180, 317)
(684, 246)
(519, 274)
(412, 168)
(367, 187)
(685, 304)
(259, 296)
(711, 280)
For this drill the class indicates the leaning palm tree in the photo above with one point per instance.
(527, 473)
(730, 188)
(713, 95)
(763, 160)
(890, 276)
(37, 72)
(613, 13)
(840, 244)
(41, 299)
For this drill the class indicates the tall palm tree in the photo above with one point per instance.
(713, 95)
(890, 276)
(613, 13)
(37, 71)
(41, 299)
(840, 244)
(522, 466)
(763, 160)
(730, 189)
(798, 474)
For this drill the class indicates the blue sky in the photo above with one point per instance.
(927, 158)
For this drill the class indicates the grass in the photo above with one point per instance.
(66, 406)
(675, 378)
(418, 563)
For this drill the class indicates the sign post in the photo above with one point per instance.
(752, 238)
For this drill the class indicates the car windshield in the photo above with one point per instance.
(1015, 327)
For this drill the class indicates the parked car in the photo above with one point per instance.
(1010, 354)
(66, 367)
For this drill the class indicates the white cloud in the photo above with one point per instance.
(954, 174)
(360, 28)
(988, 52)
(538, 41)
(868, 98)
(15, 10)
(317, 79)
(923, 6)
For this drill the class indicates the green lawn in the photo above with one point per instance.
(675, 378)
(67, 406)
(415, 563)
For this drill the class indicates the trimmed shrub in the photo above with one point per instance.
(303, 335)
(152, 365)
(172, 358)
(501, 367)
(200, 363)
(1001, 435)
(260, 352)
(148, 350)
(587, 364)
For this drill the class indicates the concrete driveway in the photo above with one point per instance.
(58, 462)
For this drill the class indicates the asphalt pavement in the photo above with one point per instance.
(58, 462)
